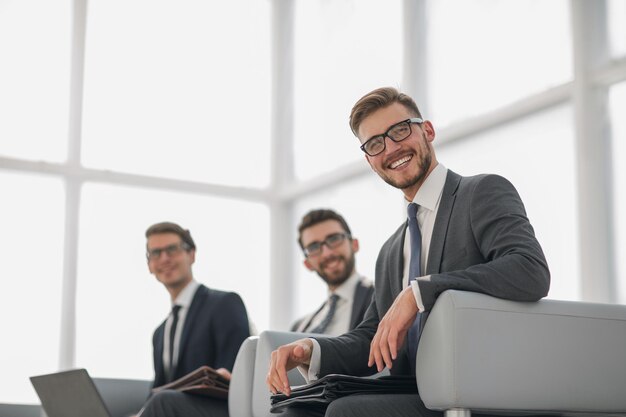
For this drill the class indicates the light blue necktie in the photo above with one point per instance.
(414, 272)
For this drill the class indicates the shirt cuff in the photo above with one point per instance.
(311, 372)
(417, 293)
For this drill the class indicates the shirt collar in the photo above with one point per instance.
(346, 290)
(185, 297)
(429, 193)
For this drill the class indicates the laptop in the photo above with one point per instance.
(69, 394)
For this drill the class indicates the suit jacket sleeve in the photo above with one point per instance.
(489, 247)
(231, 331)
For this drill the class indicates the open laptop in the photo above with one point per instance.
(69, 394)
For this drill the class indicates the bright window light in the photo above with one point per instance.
(179, 89)
(32, 266)
(483, 54)
(34, 79)
(617, 29)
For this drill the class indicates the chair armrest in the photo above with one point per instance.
(240, 390)
(268, 342)
(482, 353)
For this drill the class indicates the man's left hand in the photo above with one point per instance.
(392, 330)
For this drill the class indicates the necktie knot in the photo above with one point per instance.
(412, 210)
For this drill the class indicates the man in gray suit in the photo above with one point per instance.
(472, 234)
(329, 250)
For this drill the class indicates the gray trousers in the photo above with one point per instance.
(177, 404)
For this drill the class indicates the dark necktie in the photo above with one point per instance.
(332, 306)
(414, 272)
(172, 334)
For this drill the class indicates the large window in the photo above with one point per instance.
(32, 263)
(34, 78)
(179, 90)
(483, 54)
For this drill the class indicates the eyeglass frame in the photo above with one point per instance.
(170, 250)
(316, 252)
(410, 121)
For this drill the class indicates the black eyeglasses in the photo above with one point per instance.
(171, 250)
(396, 133)
(332, 241)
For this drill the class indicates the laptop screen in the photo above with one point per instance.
(69, 394)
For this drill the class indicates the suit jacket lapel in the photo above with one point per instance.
(440, 228)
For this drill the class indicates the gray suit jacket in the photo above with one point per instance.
(363, 293)
(482, 241)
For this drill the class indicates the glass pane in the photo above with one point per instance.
(34, 79)
(617, 29)
(483, 54)
(32, 267)
(372, 209)
(166, 95)
(120, 303)
(618, 126)
(341, 53)
(530, 153)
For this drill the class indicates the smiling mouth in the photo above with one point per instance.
(395, 164)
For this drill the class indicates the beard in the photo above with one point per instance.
(423, 161)
(343, 275)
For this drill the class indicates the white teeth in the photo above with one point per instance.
(399, 162)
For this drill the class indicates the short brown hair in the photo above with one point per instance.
(169, 227)
(378, 99)
(316, 216)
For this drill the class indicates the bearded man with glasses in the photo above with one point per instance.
(205, 327)
(329, 250)
(466, 233)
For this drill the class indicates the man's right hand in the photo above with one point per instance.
(283, 360)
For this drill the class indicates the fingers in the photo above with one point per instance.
(282, 360)
(277, 380)
(224, 372)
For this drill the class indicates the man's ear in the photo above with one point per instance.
(429, 130)
(355, 245)
(192, 255)
(308, 264)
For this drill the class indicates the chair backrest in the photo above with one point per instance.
(123, 397)
(240, 391)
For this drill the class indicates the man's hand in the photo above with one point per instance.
(224, 372)
(392, 330)
(284, 359)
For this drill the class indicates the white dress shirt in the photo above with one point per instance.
(184, 300)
